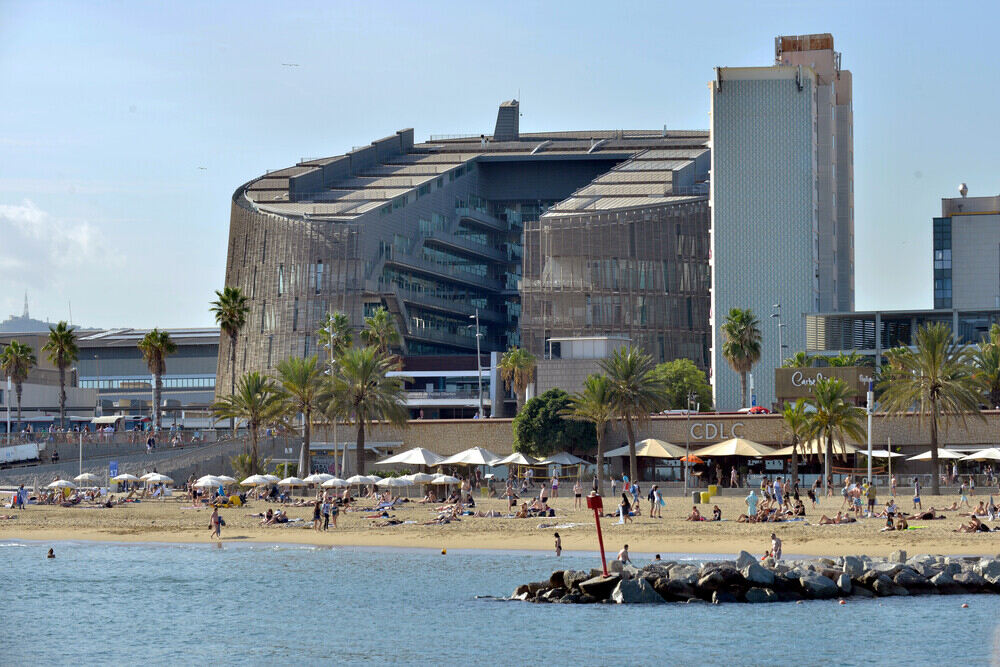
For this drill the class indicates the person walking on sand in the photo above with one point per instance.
(734, 478)
(623, 556)
(326, 512)
(775, 547)
(317, 514)
(215, 524)
(963, 495)
(658, 501)
(916, 495)
(577, 495)
(558, 545)
(892, 486)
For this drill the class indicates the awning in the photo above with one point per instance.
(111, 419)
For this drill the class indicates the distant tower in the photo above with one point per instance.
(25, 315)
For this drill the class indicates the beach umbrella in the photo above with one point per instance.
(444, 479)
(358, 479)
(816, 447)
(334, 483)
(418, 456)
(291, 481)
(317, 478)
(143, 478)
(225, 479)
(474, 456)
(207, 482)
(736, 447)
(61, 484)
(991, 454)
(394, 482)
(271, 479)
(124, 477)
(86, 477)
(690, 458)
(649, 448)
(157, 478)
(942, 454)
(562, 459)
(255, 480)
(881, 454)
(517, 458)
(419, 478)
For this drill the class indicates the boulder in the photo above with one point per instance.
(536, 586)
(897, 556)
(720, 597)
(886, 587)
(789, 596)
(696, 601)
(600, 587)
(745, 558)
(615, 566)
(827, 562)
(673, 590)
(844, 583)
(989, 569)
(908, 578)
(686, 574)
(971, 581)
(556, 580)
(523, 589)
(818, 587)
(853, 566)
(572, 578)
(630, 572)
(635, 591)
(569, 598)
(783, 583)
(554, 593)
(888, 569)
(943, 579)
(859, 592)
(587, 599)
(759, 595)
(952, 567)
(757, 574)
(731, 577)
(711, 581)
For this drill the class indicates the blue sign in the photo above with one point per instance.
(113, 469)
(753, 400)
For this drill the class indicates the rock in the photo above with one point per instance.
(523, 595)
(756, 574)
(536, 586)
(523, 589)
(844, 583)
(684, 573)
(635, 591)
(615, 567)
(789, 596)
(731, 577)
(943, 579)
(951, 567)
(696, 601)
(888, 569)
(795, 573)
(971, 581)
(853, 566)
(908, 578)
(711, 581)
(720, 597)
(769, 562)
(989, 569)
(588, 599)
(600, 587)
(921, 559)
(827, 562)
(569, 598)
(572, 578)
(630, 572)
(818, 587)
(673, 590)
(885, 587)
(759, 595)
(859, 592)
(783, 583)
(554, 593)
(556, 580)
(745, 558)
(897, 556)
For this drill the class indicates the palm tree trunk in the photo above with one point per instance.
(600, 460)
(254, 467)
(633, 461)
(520, 400)
(743, 389)
(795, 460)
(62, 395)
(157, 388)
(17, 389)
(935, 478)
(359, 449)
(232, 376)
(826, 460)
(306, 433)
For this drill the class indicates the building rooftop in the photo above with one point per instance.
(131, 337)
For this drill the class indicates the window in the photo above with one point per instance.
(263, 314)
(281, 279)
(305, 347)
(253, 284)
(319, 276)
(263, 247)
(295, 314)
(270, 349)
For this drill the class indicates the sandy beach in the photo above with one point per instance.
(172, 521)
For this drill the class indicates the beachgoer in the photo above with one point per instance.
(558, 545)
(695, 515)
(51, 554)
(577, 495)
(658, 501)
(215, 524)
(775, 547)
(614, 484)
(625, 509)
(543, 493)
(963, 495)
(623, 555)
(751, 501)
(595, 484)
(716, 513)
(871, 498)
(972, 485)
(892, 486)
(734, 478)
(554, 484)
(916, 494)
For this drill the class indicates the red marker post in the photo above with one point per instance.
(596, 503)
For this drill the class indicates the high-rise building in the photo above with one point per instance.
(967, 252)
(782, 201)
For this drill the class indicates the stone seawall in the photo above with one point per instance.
(748, 580)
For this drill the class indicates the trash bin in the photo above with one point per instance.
(706, 497)
(713, 490)
(696, 497)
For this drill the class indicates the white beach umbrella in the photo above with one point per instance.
(271, 479)
(255, 480)
(335, 483)
(563, 459)
(358, 479)
(291, 481)
(517, 458)
(124, 477)
(86, 477)
(419, 477)
(445, 479)
(418, 456)
(225, 479)
(207, 482)
(393, 482)
(942, 454)
(991, 454)
(317, 478)
(61, 484)
(157, 478)
(143, 478)
(474, 456)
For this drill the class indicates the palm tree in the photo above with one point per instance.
(741, 344)
(156, 346)
(63, 351)
(335, 334)
(17, 360)
(593, 405)
(380, 330)
(230, 309)
(845, 359)
(362, 392)
(256, 401)
(986, 359)
(301, 383)
(798, 360)
(938, 379)
(517, 368)
(796, 423)
(834, 417)
(636, 391)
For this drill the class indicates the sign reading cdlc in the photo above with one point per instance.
(715, 431)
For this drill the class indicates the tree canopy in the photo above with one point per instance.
(541, 429)
(681, 378)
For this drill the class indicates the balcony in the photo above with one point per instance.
(451, 272)
(440, 337)
(429, 301)
(481, 218)
(455, 242)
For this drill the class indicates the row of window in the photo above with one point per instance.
(147, 383)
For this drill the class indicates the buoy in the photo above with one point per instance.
(965, 605)
(444, 551)
(843, 602)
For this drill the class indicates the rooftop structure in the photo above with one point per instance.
(967, 252)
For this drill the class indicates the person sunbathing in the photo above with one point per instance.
(716, 513)
(800, 508)
(267, 517)
(953, 508)
(523, 512)
(695, 515)
(278, 517)
(974, 526)
(839, 519)
(889, 525)
(431, 497)
(901, 523)
(979, 511)
(927, 515)
(386, 523)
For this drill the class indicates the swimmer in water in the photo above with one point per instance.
(52, 554)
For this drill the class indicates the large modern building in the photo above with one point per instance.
(967, 252)
(782, 200)
(555, 234)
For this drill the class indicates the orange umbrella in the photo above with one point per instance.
(691, 458)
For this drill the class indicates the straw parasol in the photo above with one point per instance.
(735, 447)
(474, 456)
(816, 447)
(991, 454)
(650, 448)
(942, 454)
(418, 456)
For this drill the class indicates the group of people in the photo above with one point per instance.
(772, 507)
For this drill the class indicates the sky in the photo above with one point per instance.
(125, 127)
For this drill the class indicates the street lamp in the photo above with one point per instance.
(479, 370)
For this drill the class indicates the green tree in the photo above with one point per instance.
(380, 331)
(986, 359)
(594, 405)
(335, 334)
(636, 392)
(937, 379)
(258, 403)
(846, 359)
(62, 351)
(796, 424)
(681, 378)
(741, 345)
(798, 360)
(17, 360)
(156, 346)
(517, 368)
(244, 465)
(361, 391)
(231, 309)
(300, 385)
(542, 428)
(834, 417)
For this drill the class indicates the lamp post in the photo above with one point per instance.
(781, 326)
(479, 369)
(329, 371)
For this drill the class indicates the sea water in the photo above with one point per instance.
(105, 603)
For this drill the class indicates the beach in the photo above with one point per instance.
(173, 521)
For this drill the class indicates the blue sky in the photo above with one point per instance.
(126, 127)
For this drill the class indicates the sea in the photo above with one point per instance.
(114, 603)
